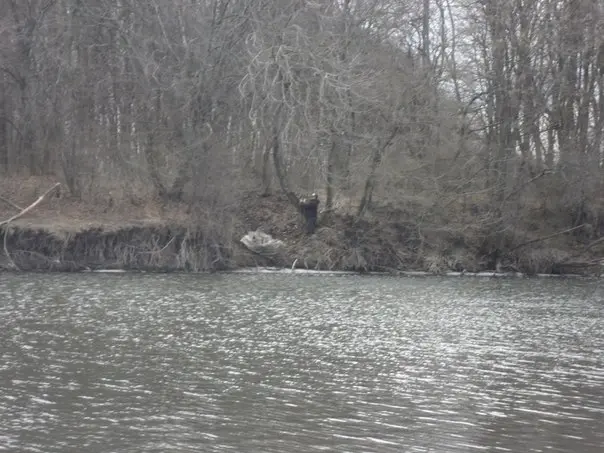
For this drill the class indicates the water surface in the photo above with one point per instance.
(298, 363)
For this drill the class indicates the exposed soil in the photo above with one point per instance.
(66, 234)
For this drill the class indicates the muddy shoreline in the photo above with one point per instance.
(149, 248)
(161, 248)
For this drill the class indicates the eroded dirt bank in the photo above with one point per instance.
(340, 243)
(63, 234)
(136, 248)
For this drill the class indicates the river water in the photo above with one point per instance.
(298, 363)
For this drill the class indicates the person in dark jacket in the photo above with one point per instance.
(309, 208)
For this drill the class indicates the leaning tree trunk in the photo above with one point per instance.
(376, 160)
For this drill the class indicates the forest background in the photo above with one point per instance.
(439, 134)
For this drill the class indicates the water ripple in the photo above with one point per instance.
(299, 363)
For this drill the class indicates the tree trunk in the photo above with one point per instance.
(266, 172)
(370, 182)
(279, 170)
(329, 185)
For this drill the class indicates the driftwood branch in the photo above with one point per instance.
(5, 223)
(549, 236)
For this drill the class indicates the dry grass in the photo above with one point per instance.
(541, 260)
(63, 213)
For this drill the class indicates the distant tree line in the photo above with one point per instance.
(487, 112)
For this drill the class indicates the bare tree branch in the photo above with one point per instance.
(30, 207)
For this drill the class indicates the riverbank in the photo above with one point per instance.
(65, 234)
(169, 248)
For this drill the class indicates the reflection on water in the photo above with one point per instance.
(286, 363)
